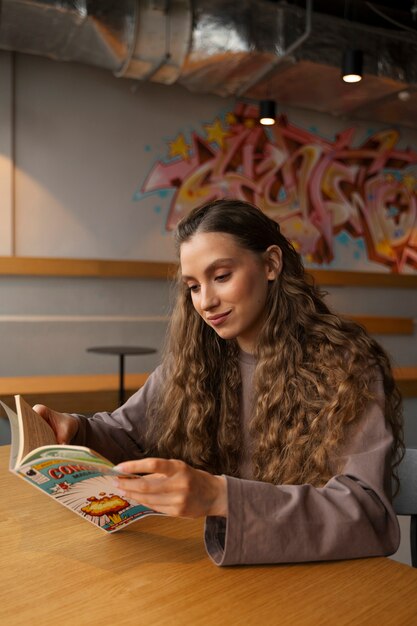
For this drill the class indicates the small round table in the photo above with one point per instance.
(122, 351)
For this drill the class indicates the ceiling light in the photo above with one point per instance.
(352, 66)
(267, 112)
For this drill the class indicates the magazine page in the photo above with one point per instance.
(34, 431)
(14, 429)
(81, 480)
(77, 453)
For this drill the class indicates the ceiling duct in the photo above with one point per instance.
(131, 38)
(252, 48)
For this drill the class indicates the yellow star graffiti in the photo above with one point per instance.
(231, 119)
(215, 132)
(179, 147)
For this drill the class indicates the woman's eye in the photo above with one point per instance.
(193, 288)
(223, 277)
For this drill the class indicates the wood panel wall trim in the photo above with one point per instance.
(102, 268)
(96, 268)
(363, 279)
(377, 325)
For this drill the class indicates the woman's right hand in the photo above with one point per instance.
(64, 425)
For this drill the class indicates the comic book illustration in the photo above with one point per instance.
(74, 478)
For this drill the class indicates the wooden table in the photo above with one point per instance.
(58, 569)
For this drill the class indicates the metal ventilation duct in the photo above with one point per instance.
(208, 44)
(251, 48)
(128, 37)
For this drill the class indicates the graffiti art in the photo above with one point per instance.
(325, 194)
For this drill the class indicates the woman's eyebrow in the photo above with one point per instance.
(210, 267)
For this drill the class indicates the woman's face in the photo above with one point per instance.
(229, 284)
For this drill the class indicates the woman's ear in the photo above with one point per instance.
(273, 262)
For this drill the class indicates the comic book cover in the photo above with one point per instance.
(80, 480)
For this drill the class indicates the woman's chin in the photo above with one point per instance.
(225, 333)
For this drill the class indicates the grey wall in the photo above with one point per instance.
(84, 143)
(46, 324)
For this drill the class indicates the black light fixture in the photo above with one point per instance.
(267, 112)
(352, 66)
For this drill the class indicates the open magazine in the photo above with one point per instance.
(75, 476)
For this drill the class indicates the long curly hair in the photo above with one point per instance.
(315, 371)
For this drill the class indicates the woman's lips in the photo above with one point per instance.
(216, 320)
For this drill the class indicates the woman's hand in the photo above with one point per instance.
(174, 488)
(64, 425)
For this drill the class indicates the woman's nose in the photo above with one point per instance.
(209, 299)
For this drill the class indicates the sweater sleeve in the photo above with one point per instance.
(349, 517)
(119, 436)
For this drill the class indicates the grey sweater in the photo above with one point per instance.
(350, 517)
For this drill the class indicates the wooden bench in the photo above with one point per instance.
(72, 393)
(88, 394)
(406, 378)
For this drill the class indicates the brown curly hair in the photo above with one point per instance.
(315, 371)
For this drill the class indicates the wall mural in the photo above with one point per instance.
(343, 206)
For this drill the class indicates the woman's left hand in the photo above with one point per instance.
(174, 488)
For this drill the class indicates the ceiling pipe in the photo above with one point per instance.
(286, 53)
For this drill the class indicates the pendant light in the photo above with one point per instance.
(352, 66)
(267, 112)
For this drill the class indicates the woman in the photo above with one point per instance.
(270, 415)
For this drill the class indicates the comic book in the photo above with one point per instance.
(75, 476)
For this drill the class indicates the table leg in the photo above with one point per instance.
(122, 380)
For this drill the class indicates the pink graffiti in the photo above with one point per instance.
(314, 188)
